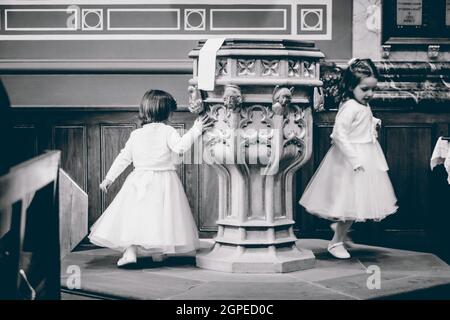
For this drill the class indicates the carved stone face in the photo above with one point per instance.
(195, 100)
(283, 96)
(231, 92)
(232, 97)
(193, 93)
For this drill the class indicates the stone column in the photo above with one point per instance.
(366, 26)
(262, 106)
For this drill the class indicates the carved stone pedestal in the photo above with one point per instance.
(262, 104)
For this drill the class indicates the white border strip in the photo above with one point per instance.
(98, 37)
(148, 2)
(294, 19)
(293, 35)
(211, 19)
(68, 10)
(329, 33)
(177, 11)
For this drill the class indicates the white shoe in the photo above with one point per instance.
(129, 257)
(338, 250)
(348, 242)
(126, 261)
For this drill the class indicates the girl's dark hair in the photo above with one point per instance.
(355, 72)
(156, 106)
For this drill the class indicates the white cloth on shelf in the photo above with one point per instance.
(207, 63)
(441, 155)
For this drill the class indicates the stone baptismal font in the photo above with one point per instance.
(262, 100)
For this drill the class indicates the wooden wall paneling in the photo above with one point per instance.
(322, 143)
(94, 119)
(438, 218)
(201, 183)
(404, 117)
(440, 129)
(91, 138)
(94, 172)
(185, 173)
(305, 223)
(181, 168)
(112, 140)
(199, 180)
(209, 198)
(192, 185)
(296, 194)
(71, 140)
(188, 174)
(303, 220)
(408, 150)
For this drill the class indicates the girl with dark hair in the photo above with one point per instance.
(151, 212)
(352, 184)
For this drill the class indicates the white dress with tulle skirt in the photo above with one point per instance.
(151, 209)
(337, 192)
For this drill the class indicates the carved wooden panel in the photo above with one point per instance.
(208, 198)
(112, 140)
(321, 145)
(408, 150)
(187, 158)
(71, 140)
(188, 172)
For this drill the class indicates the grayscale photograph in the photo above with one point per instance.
(225, 157)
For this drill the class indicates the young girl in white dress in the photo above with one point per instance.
(351, 183)
(151, 211)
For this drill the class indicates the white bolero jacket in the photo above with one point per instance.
(354, 123)
(155, 146)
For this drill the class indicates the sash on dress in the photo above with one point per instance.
(142, 180)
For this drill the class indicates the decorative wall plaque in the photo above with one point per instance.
(409, 12)
(447, 13)
(415, 22)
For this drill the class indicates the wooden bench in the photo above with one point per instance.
(29, 230)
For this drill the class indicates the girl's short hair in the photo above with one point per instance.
(357, 70)
(156, 106)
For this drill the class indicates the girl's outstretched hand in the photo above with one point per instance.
(359, 169)
(105, 185)
(206, 122)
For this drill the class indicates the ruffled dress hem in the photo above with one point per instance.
(150, 248)
(344, 218)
